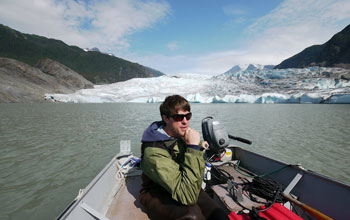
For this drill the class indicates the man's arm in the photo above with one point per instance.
(182, 180)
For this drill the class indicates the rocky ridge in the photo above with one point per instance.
(94, 65)
(20, 82)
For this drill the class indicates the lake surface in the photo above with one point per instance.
(49, 151)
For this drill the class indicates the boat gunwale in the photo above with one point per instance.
(78, 199)
(323, 193)
(294, 166)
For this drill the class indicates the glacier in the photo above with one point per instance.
(243, 85)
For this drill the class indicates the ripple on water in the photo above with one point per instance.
(48, 152)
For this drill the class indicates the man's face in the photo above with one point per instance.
(174, 128)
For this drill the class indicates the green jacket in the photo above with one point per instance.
(180, 170)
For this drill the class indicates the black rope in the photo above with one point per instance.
(223, 175)
(254, 214)
(267, 189)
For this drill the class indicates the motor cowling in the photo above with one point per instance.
(215, 134)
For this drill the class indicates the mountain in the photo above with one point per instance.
(333, 53)
(95, 66)
(238, 68)
(20, 82)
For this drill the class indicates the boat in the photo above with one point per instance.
(113, 193)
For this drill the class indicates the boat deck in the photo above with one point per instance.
(222, 194)
(125, 204)
(113, 193)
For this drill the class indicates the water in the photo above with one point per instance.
(49, 151)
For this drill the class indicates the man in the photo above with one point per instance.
(173, 167)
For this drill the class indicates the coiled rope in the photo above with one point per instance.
(266, 188)
(260, 186)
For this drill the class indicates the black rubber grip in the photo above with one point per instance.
(240, 139)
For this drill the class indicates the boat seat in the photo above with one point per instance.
(126, 204)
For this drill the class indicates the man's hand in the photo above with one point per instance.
(204, 145)
(192, 136)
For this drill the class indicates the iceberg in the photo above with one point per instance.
(339, 99)
(268, 98)
(198, 98)
(249, 85)
(310, 98)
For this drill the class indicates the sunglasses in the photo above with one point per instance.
(180, 117)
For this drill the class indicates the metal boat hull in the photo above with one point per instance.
(98, 199)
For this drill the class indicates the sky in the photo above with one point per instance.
(183, 36)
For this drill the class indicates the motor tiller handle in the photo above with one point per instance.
(240, 139)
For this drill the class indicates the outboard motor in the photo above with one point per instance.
(215, 134)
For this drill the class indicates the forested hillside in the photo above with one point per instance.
(95, 66)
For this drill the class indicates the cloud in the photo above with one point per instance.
(295, 25)
(236, 15)
(116, 20)
(284, 32)
(174, 45)
(166, 64)
(338, 11)
(232, 10)
(212, 63)
(104, 24)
